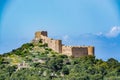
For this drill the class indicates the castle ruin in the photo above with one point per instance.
(57, 46)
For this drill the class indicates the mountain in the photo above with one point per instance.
(35, 61)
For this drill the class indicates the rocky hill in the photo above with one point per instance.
(35, 61)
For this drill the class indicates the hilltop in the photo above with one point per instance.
(36, 61)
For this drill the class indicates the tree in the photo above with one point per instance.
(11, 69)
(65, 70)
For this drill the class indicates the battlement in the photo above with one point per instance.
(57, 46)
(38, 34)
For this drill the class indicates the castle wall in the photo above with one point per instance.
(57, 46)
(79, 51)
(44, 33)
(91, 50)
(39, 33)
(74, 51)
(67, 50)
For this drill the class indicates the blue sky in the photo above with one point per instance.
(76, 22)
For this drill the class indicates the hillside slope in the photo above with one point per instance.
(35, 61)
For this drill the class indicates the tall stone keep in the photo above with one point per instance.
(39, 33)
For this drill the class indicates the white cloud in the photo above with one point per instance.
(114, 32)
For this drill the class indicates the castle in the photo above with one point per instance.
(57, 46)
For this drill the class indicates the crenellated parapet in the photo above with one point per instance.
(38, 34)
(57, 46)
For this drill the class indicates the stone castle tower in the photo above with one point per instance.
(57, 46)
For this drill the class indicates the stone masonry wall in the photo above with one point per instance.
(67, 50)
(57, 46)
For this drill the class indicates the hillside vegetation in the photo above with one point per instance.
(35, 61)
